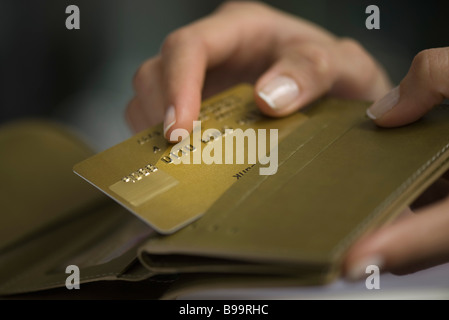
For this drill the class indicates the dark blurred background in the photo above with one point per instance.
(83, 77)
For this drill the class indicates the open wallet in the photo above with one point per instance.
(159, 229)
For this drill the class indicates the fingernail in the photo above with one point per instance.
(279, 92)
(385, 104)
(358, 270)
(170, 119)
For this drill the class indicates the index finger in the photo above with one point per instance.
(245, 35)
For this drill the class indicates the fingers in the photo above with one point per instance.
(144, 109)
(173, 81)
(424, 86)
(359, 76)
(305, 71)
(184, 63)
(239, 36)
(415, 242)
(238, 43)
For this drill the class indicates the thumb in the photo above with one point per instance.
(415, 242)
(424, 86)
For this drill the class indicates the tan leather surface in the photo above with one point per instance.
(51, 218)
(346, 176)
(339, 175)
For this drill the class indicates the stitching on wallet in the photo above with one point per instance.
(391, 197)
(264, 178)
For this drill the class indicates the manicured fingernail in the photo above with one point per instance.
(385, 104)
(359, 270)
(279, 92)
(170, 119)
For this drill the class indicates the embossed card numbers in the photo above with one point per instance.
(140, 173)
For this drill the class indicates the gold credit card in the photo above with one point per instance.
(170, 185)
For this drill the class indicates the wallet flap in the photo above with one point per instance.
(347, 177)
(52, 219)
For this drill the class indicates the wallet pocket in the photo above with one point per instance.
(347, 178)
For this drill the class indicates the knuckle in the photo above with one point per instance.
(351, 45)
(140, 78)
(423, 58)
(362, 60)
(170, 41)
(320, 58)
(421, 62)
(428, 63)
(353, 49)
(177, 38)
(317, 57)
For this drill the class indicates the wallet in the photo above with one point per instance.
(339, 176)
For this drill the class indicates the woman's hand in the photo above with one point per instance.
(415, 241)
(291, 62)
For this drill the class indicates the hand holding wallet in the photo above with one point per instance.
(338, 177)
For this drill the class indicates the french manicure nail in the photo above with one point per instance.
(358, 270)
(279, 92)
(385, 104)
(170, 119)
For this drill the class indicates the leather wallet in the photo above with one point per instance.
(339, 176)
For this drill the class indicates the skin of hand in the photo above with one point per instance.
(415, 241)
(292, 62)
